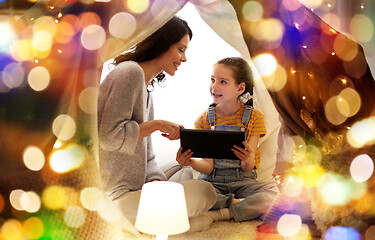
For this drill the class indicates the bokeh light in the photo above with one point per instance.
(7, 37)
(276, 80)
(117, 23)
(345, 48)
(266, 64)
(15, 199)
(335, 189)
(13, 75)
(341, 233)
(289, 225)
(252, 11)
(312, 3)
(138, 6)
(30, 202)
(55, 197)
(74, 216)
(93, 37)
(362, 168)
(33, 228)
(352, 100)
(21, 50)
(39, 78)
(42, 41)
(67, 159)
(365, 32)
(64, 127)
(332, 111)
(92, 198)
(11, 230)
(362, 133)
(2, 203)
(86, 102)
(109, 211)
(33, 158)
(293, 186)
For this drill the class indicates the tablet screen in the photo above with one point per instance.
(211, 144)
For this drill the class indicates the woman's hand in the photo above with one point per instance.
(169, 130)
(184, 158)
(246, 155)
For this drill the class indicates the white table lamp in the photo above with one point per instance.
(162, 209)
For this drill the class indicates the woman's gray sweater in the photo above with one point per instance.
(125, 163)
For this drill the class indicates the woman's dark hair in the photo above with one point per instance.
(241, 73)
(157, 43)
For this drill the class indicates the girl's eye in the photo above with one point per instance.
(212, 79)
(180, 50)
(223, 81)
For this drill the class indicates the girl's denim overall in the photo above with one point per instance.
(231, 181)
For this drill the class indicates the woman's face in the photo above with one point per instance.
(174, 56)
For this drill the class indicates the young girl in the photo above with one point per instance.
(126, 121)
(240, 196)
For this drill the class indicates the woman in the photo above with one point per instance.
(125, 122)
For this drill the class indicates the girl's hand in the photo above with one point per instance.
(170, 130)
(246, 155)
(185, 157)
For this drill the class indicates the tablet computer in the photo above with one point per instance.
(211, 144)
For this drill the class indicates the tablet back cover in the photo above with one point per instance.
(211, 144)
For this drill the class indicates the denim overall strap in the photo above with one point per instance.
(246, 116)
(211, 116)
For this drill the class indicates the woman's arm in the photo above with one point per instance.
(169, 130)
(203, 165)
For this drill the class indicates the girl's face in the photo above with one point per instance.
(223, 87)
(171, 59)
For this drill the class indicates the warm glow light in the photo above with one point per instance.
(289, 225)
(266, 64)
(64, 127)
(335, 190)
(362, 168)
(293, 186)
(362, 133)
(67, 159)
(162, 209)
